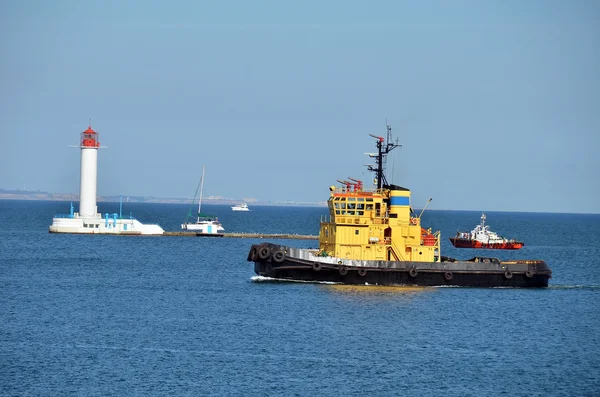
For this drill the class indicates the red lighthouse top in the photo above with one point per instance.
(89, 138)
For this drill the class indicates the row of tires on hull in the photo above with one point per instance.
(413, 273)
(263, 253)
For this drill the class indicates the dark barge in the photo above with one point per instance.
(288, 263)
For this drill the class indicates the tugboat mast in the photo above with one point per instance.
(382, 152)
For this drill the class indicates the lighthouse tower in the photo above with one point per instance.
(88, 220)
(89, 145)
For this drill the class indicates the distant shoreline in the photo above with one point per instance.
(45, 196)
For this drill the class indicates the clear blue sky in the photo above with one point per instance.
(496, 103)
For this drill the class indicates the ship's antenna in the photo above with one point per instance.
(384, 146)
(426, 204)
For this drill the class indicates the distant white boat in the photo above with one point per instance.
(240, 207)
(205, 224)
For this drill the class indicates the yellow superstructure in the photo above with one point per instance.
(376, 225)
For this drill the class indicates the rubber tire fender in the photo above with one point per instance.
(264, 252)
(448, 276)
(362, 272)
(529, 274)
(316, 266)
(278, 256)
(508, 274)
(343, 270)
(252, 254)
(413, 272)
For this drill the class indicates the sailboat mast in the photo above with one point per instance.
(201, 189)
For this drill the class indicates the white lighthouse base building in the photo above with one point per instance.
(98, 224)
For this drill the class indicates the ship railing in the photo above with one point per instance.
(325, 219)
(436, 246)
(380, 221)
(343, 189)
(63, 216)
(395, 250)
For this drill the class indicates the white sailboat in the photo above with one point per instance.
(204, 224)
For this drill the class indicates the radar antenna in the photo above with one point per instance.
(384, 146)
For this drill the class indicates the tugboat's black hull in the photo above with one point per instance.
(478, 272)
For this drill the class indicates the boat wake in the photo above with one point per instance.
(576, 286)
(263, 279)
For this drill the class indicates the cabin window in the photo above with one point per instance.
(350, 212)
(360, 206)
(337, 212)
(369, 207)
(351, 206)
(357, 232)
(326, 232)
(369, 198)
(360, 212)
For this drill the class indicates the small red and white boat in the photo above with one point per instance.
(482, 237)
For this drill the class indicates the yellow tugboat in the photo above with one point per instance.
(374, 237)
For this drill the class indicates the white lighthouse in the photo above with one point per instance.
(89, 145)
(88, 220)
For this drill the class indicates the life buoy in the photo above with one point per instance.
(278, 256)
(343, 270)
(413, 221)
(264, 252)
(413, 272)
(362, 272)
(528, 274)
(508, 274)
(316, 266)
(448, 276)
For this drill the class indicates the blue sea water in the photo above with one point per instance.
(155, 316)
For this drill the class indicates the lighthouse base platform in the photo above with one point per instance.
(110, 224)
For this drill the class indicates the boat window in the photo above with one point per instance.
(369, 207)
(360, 206)
(360, 212)
(351, 198)
(360, 199)
(369, 198)
(356, 232)
(350, 212)
(343, 205)
(337, 212)
(351, 206)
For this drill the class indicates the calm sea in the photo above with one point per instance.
(156, 316)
